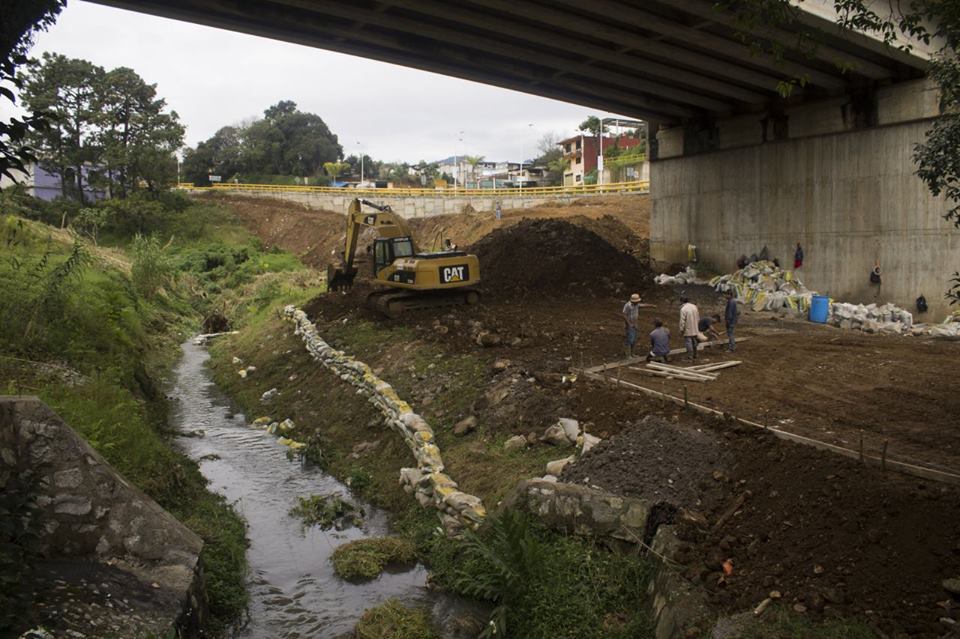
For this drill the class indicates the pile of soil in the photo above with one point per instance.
(834, 537)
(555, 258)
(681, 461)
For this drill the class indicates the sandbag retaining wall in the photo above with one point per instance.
(428, 482)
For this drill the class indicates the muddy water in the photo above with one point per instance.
(293, 590)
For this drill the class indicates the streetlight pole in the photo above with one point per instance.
(457, 161)
(520, 177)
(360, 151)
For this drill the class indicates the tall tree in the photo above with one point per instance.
(67, 89)
(137, 137)
(21, 20)
(107, 128)
(220, 155)
(593, 125)
(288, 141)
(474, 161)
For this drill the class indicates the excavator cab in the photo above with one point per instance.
(385, 251)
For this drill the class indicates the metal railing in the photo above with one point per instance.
(636, 186)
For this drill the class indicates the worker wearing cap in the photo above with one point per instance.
(631, 313)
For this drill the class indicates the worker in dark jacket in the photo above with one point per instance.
(731, 313)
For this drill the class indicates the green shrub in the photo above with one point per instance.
(393, 620)
(366, 558)
(544, 585)
(152, 268)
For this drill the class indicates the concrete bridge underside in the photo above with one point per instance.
(735, 166)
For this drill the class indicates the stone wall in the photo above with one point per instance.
(677, 609)
(91, 513)
(428, 482)
(417, 206)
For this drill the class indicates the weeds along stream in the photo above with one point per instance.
(293, 589)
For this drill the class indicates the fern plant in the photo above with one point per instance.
(504, 562)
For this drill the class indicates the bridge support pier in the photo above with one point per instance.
(836, 176)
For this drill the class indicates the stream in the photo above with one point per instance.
(293, 589)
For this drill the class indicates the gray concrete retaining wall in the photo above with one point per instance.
(416, 206)
(91, 513)
(849, 198)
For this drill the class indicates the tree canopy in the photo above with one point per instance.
(22, 19)
(107, 128)
(286, 141)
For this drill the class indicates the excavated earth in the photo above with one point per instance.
(834, 537)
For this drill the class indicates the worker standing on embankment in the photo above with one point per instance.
(631, 313)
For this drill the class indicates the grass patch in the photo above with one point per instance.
(545, 585)
(366, 558)
(393, 620)
(327, 511)
(76, 330)
(781, 623)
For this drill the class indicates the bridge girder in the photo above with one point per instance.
(668, 61)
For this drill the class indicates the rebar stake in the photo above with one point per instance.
(883, 455)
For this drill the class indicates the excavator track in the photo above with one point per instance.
(394, 303)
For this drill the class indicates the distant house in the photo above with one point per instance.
(583, 150)
(45, 185)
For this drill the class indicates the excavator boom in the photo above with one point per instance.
(411, 279)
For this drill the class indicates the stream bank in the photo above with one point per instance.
(293, 590)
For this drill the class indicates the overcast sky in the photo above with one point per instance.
(213, 78)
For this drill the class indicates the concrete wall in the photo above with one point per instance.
(415, 206)
(849, 197)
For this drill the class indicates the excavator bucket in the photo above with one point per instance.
(340, 279)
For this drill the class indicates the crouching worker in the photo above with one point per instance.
(707, 324)
(659, 343)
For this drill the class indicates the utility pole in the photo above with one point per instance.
(520, 178)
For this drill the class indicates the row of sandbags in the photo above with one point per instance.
(428, 482)
(764, 286)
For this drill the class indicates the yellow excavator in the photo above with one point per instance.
(410, 279)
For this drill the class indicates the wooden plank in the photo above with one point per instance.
(605, 367)
(703, 345)
(709, 368)
(902, 467)
(681, 371)
(668, 374)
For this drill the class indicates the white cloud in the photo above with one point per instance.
(213, 77)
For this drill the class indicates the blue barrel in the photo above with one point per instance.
(819, 309)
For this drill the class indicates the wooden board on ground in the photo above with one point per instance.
(667, 374)
(703, 345)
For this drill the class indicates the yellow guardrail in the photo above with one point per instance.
(641, 186)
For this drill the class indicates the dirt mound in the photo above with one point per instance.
(315, 236)
(555, 258)
(835, 537)
(680, 463)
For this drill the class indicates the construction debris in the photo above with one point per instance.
(764, 286)
(686, 276)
